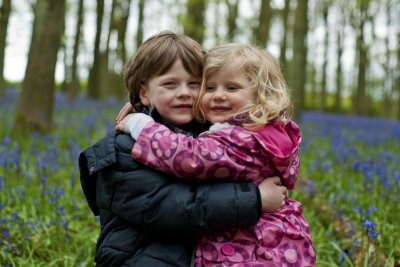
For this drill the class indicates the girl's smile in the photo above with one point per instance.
(227, 92)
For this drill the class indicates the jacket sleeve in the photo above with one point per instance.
(156, 202)
(222, 155)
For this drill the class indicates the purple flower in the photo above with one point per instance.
(6, 233)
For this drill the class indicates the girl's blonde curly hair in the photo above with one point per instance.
(272, 101)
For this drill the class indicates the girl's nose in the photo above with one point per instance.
(219, 95)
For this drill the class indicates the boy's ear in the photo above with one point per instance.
(144, 98)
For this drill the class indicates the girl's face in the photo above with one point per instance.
(228, 92)
(172, 94)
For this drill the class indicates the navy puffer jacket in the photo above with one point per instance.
(149, 218)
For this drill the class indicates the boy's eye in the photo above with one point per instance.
(194, 85)
(170, 85)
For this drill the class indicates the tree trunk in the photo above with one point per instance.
(361, 105)
(285, 17)
(233, 11)
(389, 92)
(122, 26)
(73, 85)
(117, 81)
(297, 76)
(396, 83)
(194, 20)
(261, 32)
(361, 100)
(339, 84)
(139, 30)
(94, 73)
(35, 105)
(325, 63)
(4, 15)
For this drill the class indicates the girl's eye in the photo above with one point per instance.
(231, 88)
(210, 88)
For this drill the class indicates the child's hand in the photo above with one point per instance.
(125, 110)
(122, 121)
(133, 123)
(272, 194)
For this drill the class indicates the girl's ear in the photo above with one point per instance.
(144, 98)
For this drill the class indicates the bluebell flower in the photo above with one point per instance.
(59, 192)
(6, 141)
(1, 183)
(6, 233)
(370, 227)
(15, 216)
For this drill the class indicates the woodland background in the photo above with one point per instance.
(341, 60)
(338, 56)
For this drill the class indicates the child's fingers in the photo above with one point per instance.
(126, 109)
(119, 127)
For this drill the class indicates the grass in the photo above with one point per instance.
(349, 187)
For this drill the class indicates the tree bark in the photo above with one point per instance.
(194, 22)
(139, 30)
(73, 85)
(35, 105)
(233, 11)
(285, 17)
(94, 73)
(339, 84)
(298, 65)
(360, 99)
(325, 63)
(396, 83)
(261, 32)
(4, 16)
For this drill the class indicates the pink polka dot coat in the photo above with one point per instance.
(230, 152)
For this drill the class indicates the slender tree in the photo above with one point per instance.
(285, 18)
(397, 76)
(139, 30)
(35, 104)
(360, 99)
(122, 26)
(339, 83)
(297, 76)
(387, 84)
(194, 21)
(261, 31)
(325, 10)
(94, 73)
(5, 10)
(233, 12)
(73, 85)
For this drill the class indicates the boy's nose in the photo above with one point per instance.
(183, 91)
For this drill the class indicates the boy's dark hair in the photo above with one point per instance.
(156, 55)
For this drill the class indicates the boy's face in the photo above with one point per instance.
(228, 92)
(172, 94)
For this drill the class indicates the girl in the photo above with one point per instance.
(245, 96)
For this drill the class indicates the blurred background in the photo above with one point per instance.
(338, 56)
